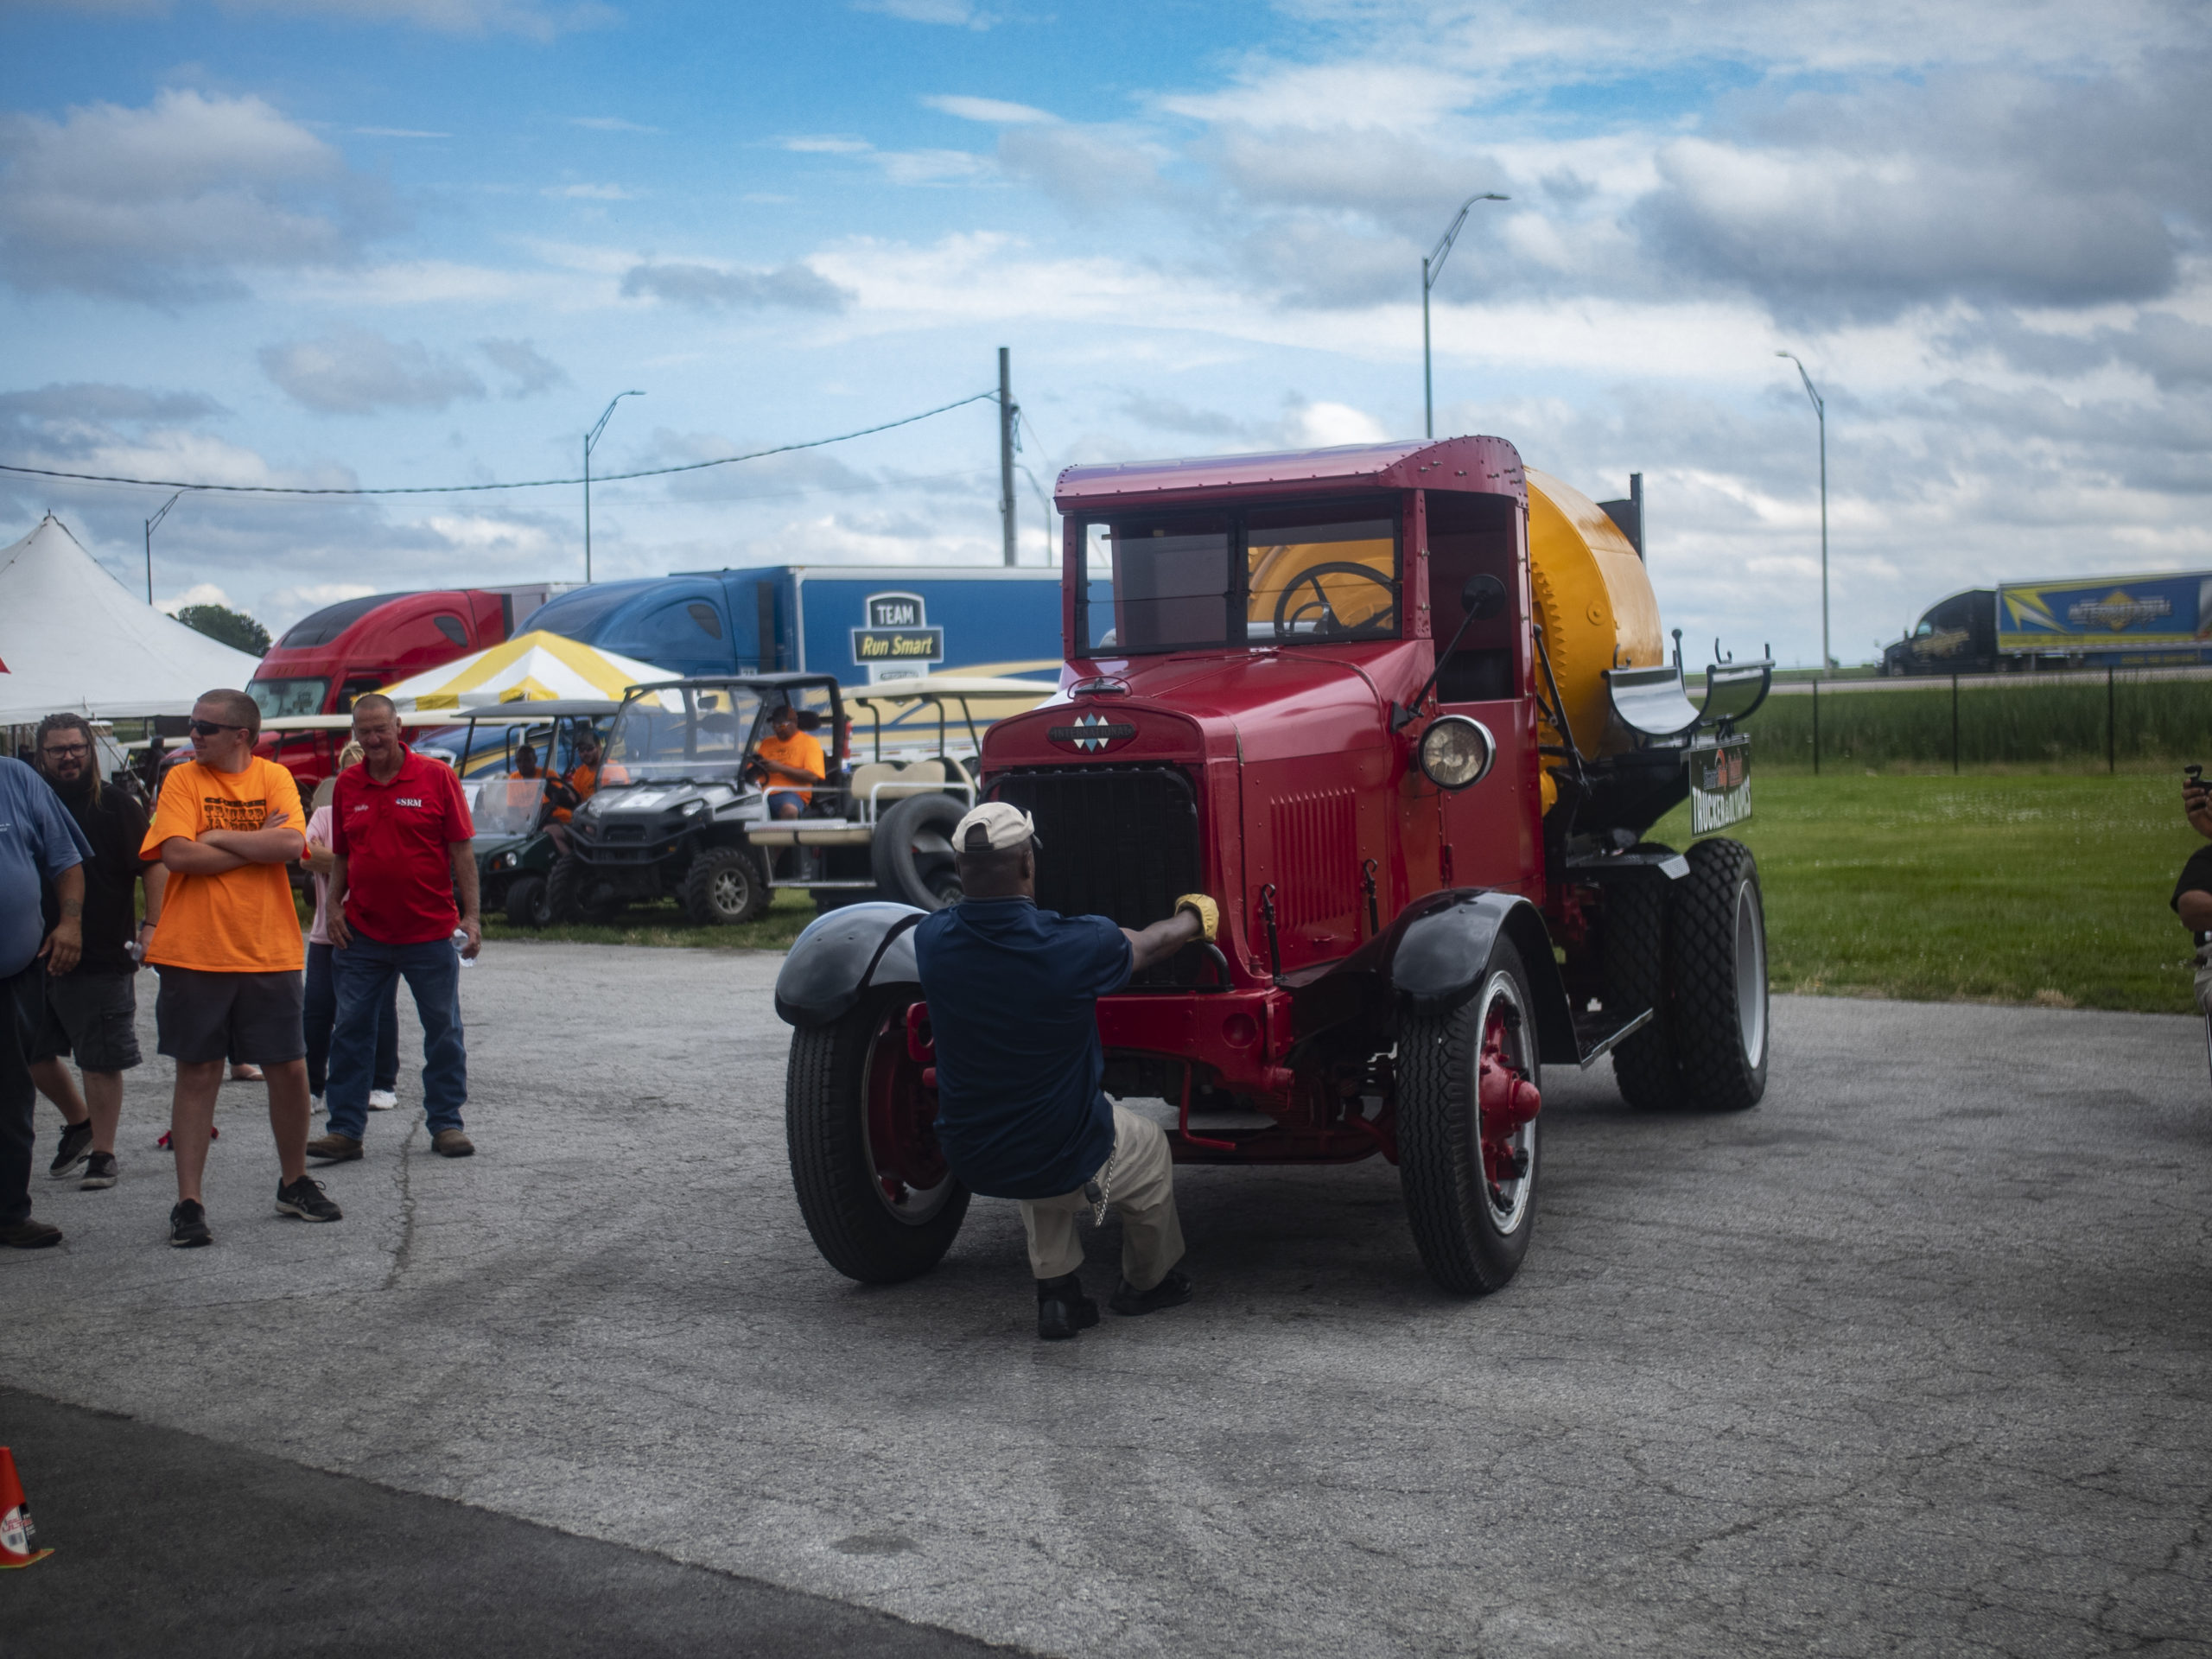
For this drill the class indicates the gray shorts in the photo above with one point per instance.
(92, 1018)
(253, 1018)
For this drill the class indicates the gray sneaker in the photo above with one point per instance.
(99, 1172)
(304, 1198)
(76, 1141)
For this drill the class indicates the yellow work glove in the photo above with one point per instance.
(1207, 911)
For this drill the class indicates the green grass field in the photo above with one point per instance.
(2002, 888)
(2010, 888)
(664, 924)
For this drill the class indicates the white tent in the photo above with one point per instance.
(71, 637)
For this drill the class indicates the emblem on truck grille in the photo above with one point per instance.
(1092, 734)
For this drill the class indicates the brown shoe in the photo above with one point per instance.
(452, 1143)
(334, 1149)
(28, 1235)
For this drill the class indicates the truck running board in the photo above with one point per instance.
(1594, 1042)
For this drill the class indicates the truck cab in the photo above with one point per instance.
(1955, 635)
(1406, 712)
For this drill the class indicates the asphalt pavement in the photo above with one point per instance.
(1911, 1359)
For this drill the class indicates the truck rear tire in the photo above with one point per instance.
(912, 851)
(526, 901)
(1717, 964)
(723, 887)
(1470, 1184)
(871, 1183)
(1635, 961)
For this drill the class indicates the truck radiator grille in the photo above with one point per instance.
(1118, 842)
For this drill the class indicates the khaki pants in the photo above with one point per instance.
(1142, 1192)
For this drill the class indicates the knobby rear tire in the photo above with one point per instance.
(1439, 1145)
(1635, 961)
(1718, 927)
(824, 1109)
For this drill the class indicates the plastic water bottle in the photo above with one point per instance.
(460, 945)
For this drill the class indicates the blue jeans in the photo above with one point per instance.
(366, 973)
(321, 1014)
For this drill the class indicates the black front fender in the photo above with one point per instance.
(1433, 958)
(840, 956)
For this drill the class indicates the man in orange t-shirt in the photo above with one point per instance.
(229, 950)
(790, 757)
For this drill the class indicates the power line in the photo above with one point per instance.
(530, 484)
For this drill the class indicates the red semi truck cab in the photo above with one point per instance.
(326, 659)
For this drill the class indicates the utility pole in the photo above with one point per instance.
(150, 523)
(1820, 411)
(1007, 411)
(1431, 268)
(591, 439)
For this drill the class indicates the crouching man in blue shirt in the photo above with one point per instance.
(1013, 993)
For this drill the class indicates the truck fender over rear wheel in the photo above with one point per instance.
(723, 887)
(872, 1182)
(912, 851)
(1468, 1088)
(527, 903)
(1717, 961)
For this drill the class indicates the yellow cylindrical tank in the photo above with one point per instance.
(1594, 602)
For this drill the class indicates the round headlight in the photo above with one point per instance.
(1456, 752)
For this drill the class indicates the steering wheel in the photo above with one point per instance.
(1286, 619)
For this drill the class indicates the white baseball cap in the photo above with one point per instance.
(994, 827)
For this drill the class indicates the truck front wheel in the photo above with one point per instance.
(872, 1182)
(1468, 1090)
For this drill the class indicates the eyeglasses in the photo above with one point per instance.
(208, 727)
(62, 751)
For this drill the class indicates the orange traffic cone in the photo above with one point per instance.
(15, 1530)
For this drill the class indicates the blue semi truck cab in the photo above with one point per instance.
(864, 624)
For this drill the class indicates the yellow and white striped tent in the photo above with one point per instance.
(529, 667)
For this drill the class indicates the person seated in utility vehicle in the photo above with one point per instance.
(1013, 993)
(792, 761)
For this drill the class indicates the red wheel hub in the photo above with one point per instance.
(1507, 1100)
(902, 1110)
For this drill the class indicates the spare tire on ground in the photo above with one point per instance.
(912, 851)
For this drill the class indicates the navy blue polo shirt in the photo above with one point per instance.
(1013, 993)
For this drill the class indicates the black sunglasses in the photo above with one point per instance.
(208, 727)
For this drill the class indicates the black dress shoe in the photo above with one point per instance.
(1063, 1310)
(1171, 1291)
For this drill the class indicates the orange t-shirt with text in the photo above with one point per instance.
(242, 921)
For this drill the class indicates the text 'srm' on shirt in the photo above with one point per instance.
(1013, 993)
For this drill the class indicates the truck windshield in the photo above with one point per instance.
(1264, 576)
(696, 732)
(278, 697)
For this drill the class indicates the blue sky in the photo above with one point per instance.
(423, 241)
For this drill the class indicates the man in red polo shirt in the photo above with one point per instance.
(399, 843)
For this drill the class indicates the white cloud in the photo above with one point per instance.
(956, 14)
(294, 603)
(529, 369)
(589, 193)
(715, 287)
(609, 123)
(991, 111)
(167, 203)
(354, 371)
(200, 592)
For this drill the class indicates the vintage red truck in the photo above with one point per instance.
(1406, 711)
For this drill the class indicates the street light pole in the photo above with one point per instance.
(1820, 411)
(1431, 268)
(150, 523)
(591, 440)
